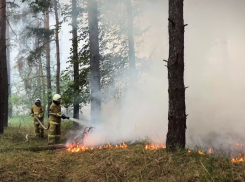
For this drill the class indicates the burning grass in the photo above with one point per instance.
(138, 162)
(76, 147)
(132, 163)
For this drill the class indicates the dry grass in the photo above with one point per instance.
(130, 164)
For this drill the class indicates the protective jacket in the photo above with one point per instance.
(54, 121)
(54, 109)
(38, 112)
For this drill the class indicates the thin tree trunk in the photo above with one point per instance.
(3, 67)
(41, 81)
(2, 61)
(75, 61)
(131, 51)
(6, 82)
(57, 47)
(94, 61)
(6, 86)
(176, 89)
(49, 88)
(10, 109)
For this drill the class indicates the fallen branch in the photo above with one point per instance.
(85, 133)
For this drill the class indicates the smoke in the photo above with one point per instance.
(214, 72)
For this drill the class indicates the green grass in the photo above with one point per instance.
(130, 164)
(15, 135)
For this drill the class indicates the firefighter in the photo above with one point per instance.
(37, 112)
(54, 120)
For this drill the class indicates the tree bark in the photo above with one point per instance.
(10, 107)
(41, 80)
(75, 61)
(131, 51)
(3, 65)
(57, 47)
(176, 89)
(49, 88)
(94, 61)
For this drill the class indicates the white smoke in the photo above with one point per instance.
(214, 72)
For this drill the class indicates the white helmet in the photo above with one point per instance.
(37, 100)
(56, 97)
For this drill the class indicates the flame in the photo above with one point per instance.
(76, 147)
(200, 152)
(154, 146)
(238, 159)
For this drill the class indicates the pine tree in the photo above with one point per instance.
(176, 89)
(94, 61)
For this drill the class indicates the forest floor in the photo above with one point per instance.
(133, 163)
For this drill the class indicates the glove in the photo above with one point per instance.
(64, 117)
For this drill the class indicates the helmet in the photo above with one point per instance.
(56, 97)
(37, 100)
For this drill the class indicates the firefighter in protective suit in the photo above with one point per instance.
(54, 120)
(37, 112)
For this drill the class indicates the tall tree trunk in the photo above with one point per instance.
(176, 89)
(3, 67)
(49, 88)
(57, 47)
(94, 61)
(41, 81)
(131, 52)
(75, 61)
(10, 107)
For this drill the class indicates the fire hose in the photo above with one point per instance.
(62, 116)
(85, 132)
(41, 123)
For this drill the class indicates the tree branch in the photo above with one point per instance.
(171, 21)
(13, 4)
(11, 27)
(3, 6)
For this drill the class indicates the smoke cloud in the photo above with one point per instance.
(214, 72)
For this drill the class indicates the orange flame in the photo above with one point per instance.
(238, 159)
(200, 152)
(154, 146)
(76, 147)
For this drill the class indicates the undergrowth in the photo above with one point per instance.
(20, 133)
(130, 164)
